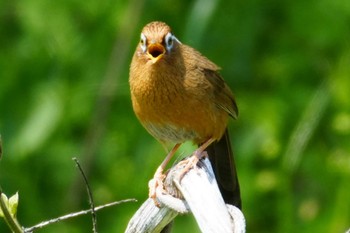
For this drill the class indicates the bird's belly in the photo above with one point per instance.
(178, 116)
(170, 133)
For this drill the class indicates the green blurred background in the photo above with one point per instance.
(64, 93)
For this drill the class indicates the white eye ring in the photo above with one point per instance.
(143, 42)
(169, 41)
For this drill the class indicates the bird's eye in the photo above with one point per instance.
(143, 41)
(169, 41)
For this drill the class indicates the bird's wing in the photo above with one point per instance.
(224, 98)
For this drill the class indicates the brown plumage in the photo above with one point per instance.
(178, 95)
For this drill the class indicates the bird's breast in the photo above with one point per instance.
(174, 107)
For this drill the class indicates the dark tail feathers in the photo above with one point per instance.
(223, 163)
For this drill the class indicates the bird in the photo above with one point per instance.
(178, 95)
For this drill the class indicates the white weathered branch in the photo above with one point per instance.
(202, 197)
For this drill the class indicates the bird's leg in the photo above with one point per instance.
(197, 155)
(159, 176)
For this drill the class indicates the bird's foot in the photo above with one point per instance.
(156, 184)
(191, 162)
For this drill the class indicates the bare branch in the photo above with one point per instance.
(201, 195)
(72, 215)
(91, 200)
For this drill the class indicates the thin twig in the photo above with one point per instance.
(72, 215)
(91, 200)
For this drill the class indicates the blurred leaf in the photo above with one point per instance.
(47, 108)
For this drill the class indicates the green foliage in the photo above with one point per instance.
(64, 93)
(8, 211)
(10, 203)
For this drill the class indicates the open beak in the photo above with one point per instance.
(155, 52)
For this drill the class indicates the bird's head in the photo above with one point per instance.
(157, 41)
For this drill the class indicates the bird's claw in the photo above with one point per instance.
(191, 162)
(155, 185)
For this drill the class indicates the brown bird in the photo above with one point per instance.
(178, 95)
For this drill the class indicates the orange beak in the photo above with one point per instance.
(155, 52)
